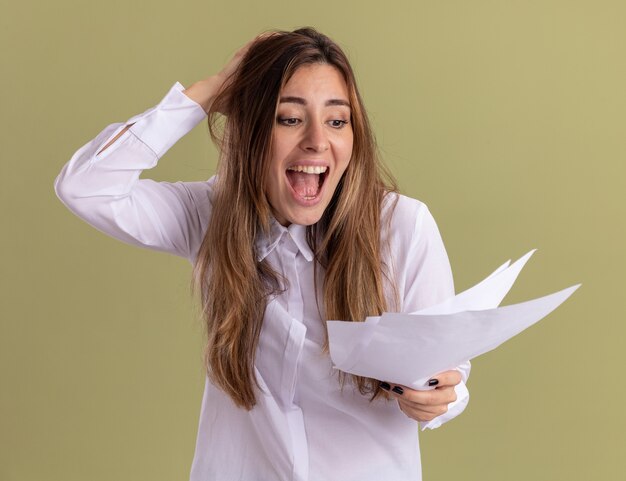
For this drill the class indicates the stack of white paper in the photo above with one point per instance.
(410, 349)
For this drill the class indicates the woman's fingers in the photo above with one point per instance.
(447, 378)
(205, 91)
(231, 66)
(435, 397)
(426, 405)
(440, 395)
(421, 414)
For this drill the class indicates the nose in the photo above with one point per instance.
(315, 138)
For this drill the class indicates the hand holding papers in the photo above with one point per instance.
(410, 349)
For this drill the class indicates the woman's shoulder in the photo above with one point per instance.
(402, 214)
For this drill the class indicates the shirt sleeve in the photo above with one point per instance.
(105, 190)
(429, 282)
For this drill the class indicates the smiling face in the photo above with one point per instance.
(311, 144)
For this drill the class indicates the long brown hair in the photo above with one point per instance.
(234, 286)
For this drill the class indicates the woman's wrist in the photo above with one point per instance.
(204, 91)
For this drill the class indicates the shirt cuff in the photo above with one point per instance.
(163, 125)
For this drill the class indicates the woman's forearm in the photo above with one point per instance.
(116, 137)
(202, 92)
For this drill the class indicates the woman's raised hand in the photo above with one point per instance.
(204, 91)
(426, 405)
(233, 63)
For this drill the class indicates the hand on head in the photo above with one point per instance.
(204, 91)
(235, 60)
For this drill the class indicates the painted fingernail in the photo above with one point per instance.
(398, 390)
(433, 382)
(385, 386)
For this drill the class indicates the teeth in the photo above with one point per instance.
(309, 169)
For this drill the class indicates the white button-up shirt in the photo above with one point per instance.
(304, 426)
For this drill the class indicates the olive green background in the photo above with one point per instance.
(506, 117)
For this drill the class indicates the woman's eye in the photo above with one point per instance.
(338, 124)
(288, 120)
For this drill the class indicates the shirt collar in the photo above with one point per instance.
(265, 244)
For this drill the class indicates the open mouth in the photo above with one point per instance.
(307, 180)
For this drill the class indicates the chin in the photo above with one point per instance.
(305, 218)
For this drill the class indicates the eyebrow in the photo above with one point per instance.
(301, 101)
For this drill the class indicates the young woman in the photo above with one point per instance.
(299, 226)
